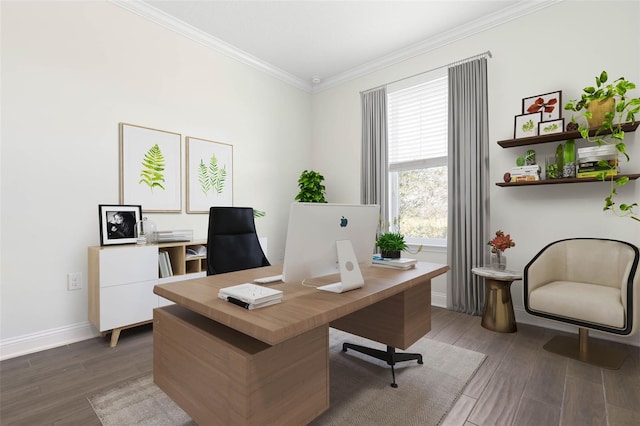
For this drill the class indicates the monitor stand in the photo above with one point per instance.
(350, 275)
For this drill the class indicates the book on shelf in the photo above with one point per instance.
(604, 164)
(401, 263)
(164, 263)
(597, 174)
(251, 294)
(196, 251)
(525, 178)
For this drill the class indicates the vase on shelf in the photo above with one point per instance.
(498, 260)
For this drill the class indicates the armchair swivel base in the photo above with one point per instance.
(588, 351)
(390, 356)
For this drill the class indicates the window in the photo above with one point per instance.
(417, 137)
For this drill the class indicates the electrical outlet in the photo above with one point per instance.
(74, 281)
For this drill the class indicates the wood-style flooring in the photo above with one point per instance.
(518, 384)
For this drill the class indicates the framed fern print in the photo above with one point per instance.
(150, 168)
(209, 175)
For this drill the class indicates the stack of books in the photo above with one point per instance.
(173, 236)
(250, 296)
(401, 263)
(525, 173)
(597, 160)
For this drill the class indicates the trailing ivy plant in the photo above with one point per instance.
(610, 131)
(152, 168)
(311, 188)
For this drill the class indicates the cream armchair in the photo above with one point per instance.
(590, 283)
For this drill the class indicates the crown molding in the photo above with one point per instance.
(518, 10)
(159, 17)
(522, 8)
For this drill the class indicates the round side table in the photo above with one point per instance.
(498, 308)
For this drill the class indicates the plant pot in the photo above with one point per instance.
(395, 254)
(598, 110)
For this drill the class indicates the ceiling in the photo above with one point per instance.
(316, 44)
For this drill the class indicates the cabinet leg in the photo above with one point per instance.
(115, 335)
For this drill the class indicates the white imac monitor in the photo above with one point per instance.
(317, 231)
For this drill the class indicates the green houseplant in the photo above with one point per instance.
(311, 188)
(391, 244)
(620, 108)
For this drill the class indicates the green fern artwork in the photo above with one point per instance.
(153, 168)
(212, 177)
(528, 126)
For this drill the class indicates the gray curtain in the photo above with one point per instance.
(468, 184)
(374, 167)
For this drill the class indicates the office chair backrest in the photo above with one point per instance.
(232, 243)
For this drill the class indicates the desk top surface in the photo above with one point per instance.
(302, 308)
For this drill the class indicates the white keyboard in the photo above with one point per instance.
(267, 280)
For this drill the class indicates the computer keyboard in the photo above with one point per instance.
(267, 280)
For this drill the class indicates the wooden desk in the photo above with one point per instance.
(226, 365)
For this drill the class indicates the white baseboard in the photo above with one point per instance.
(439, 299)
(52, 338)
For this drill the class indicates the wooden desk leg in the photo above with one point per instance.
(498, 308)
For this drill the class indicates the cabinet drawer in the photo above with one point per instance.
(124, 305)
(128, 265)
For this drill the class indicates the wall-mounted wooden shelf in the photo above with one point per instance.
(562, 136)
(564, 180)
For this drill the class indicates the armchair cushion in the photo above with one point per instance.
(575, 300)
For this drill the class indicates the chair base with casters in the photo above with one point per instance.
(390, 356)
(591, 283)
(582, 349)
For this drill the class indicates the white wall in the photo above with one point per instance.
(539, 53)
(71, 71)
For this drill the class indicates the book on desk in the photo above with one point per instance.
(250, 296)
(401, 263)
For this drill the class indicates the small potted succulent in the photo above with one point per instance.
(391, 244)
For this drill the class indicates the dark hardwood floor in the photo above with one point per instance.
(518, 384)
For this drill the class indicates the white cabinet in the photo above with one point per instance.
(121, 281)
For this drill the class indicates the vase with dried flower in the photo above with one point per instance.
(499, 244)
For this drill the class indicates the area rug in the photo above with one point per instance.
(360, 389)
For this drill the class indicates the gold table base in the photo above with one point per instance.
(498, 308)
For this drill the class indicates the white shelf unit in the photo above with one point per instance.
(121, 281)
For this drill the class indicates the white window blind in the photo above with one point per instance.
(417, 125)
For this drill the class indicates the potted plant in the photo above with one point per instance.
(620, 108)
(391, 244)
(311, 188)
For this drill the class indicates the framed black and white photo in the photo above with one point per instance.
(118, 223)
(150, 168)
(526, 125)
(548, 104)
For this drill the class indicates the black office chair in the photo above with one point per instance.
(232, 243)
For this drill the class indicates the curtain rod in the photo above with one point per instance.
(458, 62)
